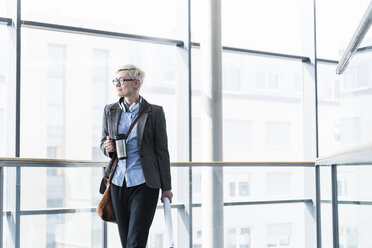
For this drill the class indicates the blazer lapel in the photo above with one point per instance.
(142, 122)
(114, 119)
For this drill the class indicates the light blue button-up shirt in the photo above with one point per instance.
(130, 168)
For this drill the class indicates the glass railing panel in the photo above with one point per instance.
(62, 230)
(60, 187)
(355, 225)
(354, 205)
(276, 225)
(251, 183)
(326, 206)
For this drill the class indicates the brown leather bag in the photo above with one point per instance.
(104, 208)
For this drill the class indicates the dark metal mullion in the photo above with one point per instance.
(96, 32)
(317, 169)
(318, 208)
(355, 203)
(1, 205)
(105, 236)
(6, 21)
(334, 207)
(327, 61)
(18, 208)
(18, 125)
(58, 211)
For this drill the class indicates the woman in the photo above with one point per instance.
(136, 180)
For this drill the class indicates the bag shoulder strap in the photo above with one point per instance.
(138, 117)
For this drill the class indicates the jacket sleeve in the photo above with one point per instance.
(161, 150)
(105, 133)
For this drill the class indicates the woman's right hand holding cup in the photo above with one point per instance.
(109, 144)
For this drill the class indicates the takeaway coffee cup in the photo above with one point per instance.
(121, 147)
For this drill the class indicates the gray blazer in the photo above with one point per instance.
(152, 142)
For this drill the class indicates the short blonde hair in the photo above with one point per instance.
(134, 71)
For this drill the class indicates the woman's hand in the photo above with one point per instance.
(109, 144)
(167, 194)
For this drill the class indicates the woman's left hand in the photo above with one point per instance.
(167, 194)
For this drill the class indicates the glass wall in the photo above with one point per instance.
(336, 28)
(3, 90)
(344, 119)
(7, 99)
(355, 205)
(256, 25)
(262, 108)
(329, 108)
(67, 79)
(132, 17)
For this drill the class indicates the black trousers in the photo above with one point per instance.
(134, 209)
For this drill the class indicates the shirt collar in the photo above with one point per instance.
(132, 107)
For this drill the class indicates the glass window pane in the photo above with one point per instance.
(354, 225)
(329, 107)
(66, 82)
(268, 25)
(336, 28)
(142, 17)
(3, 8)
(7, 99)
(62, 230)
(326, 206)
(263, 121)
(259, 226)
(344, 119)
(257, 184)
(57, 187)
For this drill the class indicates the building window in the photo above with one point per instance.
(278, 134)
(348, 237)
(244, 189)
(232, 190)
(267, 81)
(342, 188)
(231, 238)
(244, 238)
(231, 79)
(279, 235)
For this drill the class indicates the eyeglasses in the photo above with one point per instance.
(115, 81)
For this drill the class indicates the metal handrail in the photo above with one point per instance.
(39, 162)
(361, 155)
